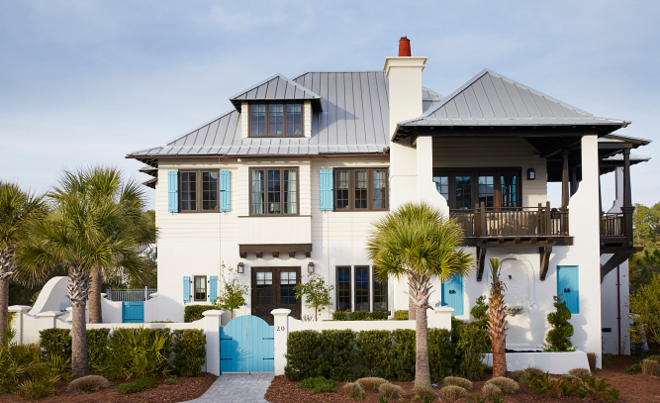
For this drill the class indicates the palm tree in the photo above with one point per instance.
(17, 210)
(84, 233)
(497, 320)
(417, 241)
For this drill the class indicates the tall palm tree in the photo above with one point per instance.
(17, 210)
(497, 319)
(84, 233)
(418, 242)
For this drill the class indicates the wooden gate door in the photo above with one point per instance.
(132, 312)
(247, 345)
(272, 287)
(452, 294)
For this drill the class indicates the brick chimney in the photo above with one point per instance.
(404, 47)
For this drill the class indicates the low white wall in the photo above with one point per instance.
(554, 363)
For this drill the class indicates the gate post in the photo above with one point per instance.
(212, 319)
(281, 328)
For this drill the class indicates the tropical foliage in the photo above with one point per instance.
(316, 292)
(645, 308)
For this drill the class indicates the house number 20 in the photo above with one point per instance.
(280, 328)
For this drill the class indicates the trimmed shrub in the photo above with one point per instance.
(375, 353)
(329, 353)
(391, 391)
(353, 389)
(442, 354)
(403, 351)
(649, 367)
(424, 391)
(137, 353)
(55, 341)
(591, 357)
(189, 348)
(360, 315)
(579, 372)
(491, 390)
(457, 381)
(534, 372)
(318, 385)
(506, 385)
(559, 337)
(97, 345)
(371, 384)
(137, 386)
(88, 384)
(401, 315)
(451, 393)
(471, 342)
(192, 313)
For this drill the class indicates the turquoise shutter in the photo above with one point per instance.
(389, 191)
(173, 191)
(213, 288)
(225, 191)
(327, 202)
(568, 287)
(452, 294)
(186, 289)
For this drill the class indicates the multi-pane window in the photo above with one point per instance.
(276, 119)
(463, 188)
(509, 190)
(358, 289)
(287, 283)
(200, 288)
(361, 189)
(274, 191)
(463, 192)
(191, 193)
(442, 185)
(264, 286)
(361, 288)
(487, 190)
(344, 288)
(380, 295)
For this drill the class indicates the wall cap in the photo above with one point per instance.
(280, 312)
(50, 314)
(213, 312)
(19, 308)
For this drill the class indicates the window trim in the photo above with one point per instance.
(352, 297)
(199, 190)
(206, 289)
(285, 103)
(370, 189)
(281, 169)
(474, 174)
(350, 286)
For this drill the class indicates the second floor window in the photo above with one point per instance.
(274, 191)
(498, 188)
(276, 119)
(361, 189)
(198, 191)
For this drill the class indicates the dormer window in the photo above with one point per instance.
(275, 119)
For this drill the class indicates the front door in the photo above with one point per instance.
(272, 288)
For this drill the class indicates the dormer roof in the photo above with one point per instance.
(276, 88)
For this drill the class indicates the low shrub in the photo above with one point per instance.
(34, 389)
(318, 385)
(506, 385)
(457, 381)
(518, 375)
(60, 366)
(425, 391)
(591, 357)
(189, 348)
(360, 315)
(634, 369)
(97, 345)
(559, 337)
(14, 363)
(579, 372)
(192, 313)
(491, 390)
(534, 372)
(88, 384)
(391, 391)
(649, 367)
(401, 315)
(371, 384)
(353, 390)
(172, 380)
(136, 353)
(137, 386)
(451, 393)
(472, 344)
(55, 341)
(330, 354)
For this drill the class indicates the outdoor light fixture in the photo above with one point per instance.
(240, 267)
(310, 268)
(531, 175)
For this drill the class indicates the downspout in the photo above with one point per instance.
(618, 307)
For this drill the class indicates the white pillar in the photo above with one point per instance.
(440, 316)
(48, 319)
(20, 310)
(281, 328)
(212, 322)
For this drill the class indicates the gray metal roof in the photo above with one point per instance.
(490, 99)
(430, 94)
(276, 87)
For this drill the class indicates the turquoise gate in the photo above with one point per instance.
(247, 345)
(132, 312)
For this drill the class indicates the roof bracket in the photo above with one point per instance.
(482, 248)
(544, 254)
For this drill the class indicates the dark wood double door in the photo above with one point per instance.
(272, 288)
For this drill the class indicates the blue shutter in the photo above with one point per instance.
(225, 191)
(568, 286)
(186, 289)
(327, 202)
(173, 191)
(213, 288)
(452, 294)
(389, 191)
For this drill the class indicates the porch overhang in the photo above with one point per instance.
(275, 250)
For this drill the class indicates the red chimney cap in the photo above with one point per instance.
(404, 47)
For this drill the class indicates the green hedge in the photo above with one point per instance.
(401, 315)
(189, 348)
(55, 341)
(360, 315)
(345, 355)
(192, 313)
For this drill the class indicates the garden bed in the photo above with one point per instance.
(187, 388)
(633, 388)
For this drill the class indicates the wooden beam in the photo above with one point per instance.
(614, 261)
(544, 255)
(481, 257)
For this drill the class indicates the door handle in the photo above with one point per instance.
(567, 290)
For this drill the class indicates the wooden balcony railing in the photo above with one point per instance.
(612, 225)
(512, 222)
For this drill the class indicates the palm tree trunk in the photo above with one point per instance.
(412, 307)
(422, 371)
(5, 274)
(95, 309)
(78, 288)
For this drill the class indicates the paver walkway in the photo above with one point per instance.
(237, 388)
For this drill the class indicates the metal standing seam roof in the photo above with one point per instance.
(276, 87)
(490, 99)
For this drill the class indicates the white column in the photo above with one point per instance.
(20, 310)
(212, 323)
(281, 328)
(48, 319)
(440, 316)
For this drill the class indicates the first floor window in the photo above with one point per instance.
(380, 295)
(362, 288)
(196, 186)
(359, 290)
(200, 288)
(274, 191)
(344, 288)
(287, 283)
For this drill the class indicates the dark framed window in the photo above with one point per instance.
(276, 119)
(495, 187)
(264, 285)
(200, 288)
(380, 294)
(344, 288)
(361, 189)
(287, 283)
(274, 191)
(198, 191)
(362, 288)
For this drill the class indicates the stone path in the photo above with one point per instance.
(237, 388)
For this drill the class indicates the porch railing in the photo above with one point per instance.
(135, 295)
(612, 225)
(512, 221)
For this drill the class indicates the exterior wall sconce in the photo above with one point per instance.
(531, 175)
(310, 268)
(240, 267)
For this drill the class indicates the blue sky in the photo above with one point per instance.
(86, 82)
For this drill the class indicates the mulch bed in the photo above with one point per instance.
(186, 389)
(633, 388)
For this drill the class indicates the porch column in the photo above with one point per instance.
(627, 208)
(564, 181)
